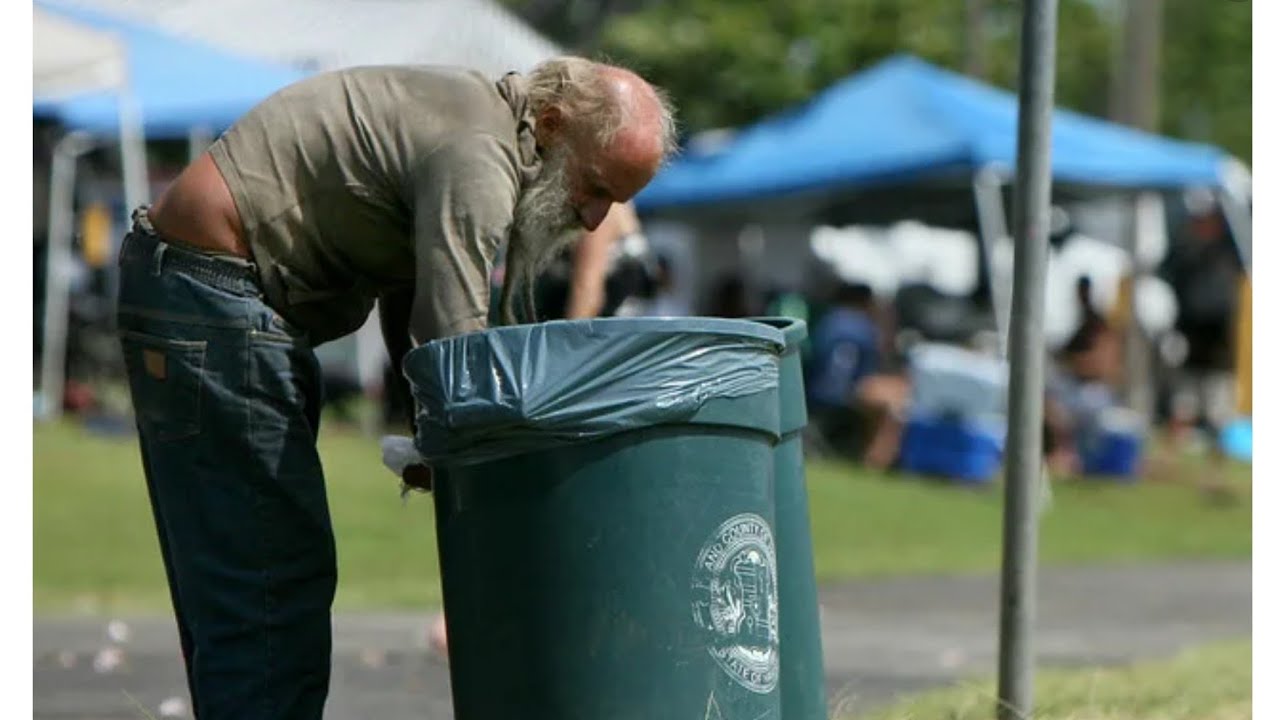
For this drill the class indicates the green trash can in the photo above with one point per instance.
(604, 507)
(802, 680)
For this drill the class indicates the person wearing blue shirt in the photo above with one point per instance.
(845, 348)
(854, 402)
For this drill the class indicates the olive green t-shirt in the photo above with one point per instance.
(367, 180)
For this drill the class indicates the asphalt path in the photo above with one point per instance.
(881, 639)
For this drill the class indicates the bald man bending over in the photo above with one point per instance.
(390, 184)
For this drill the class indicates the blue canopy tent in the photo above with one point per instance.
(908, 139)
(905, 119)
(178, 84)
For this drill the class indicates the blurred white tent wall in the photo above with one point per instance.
(886, 258)
(71, 59)
(319, 35)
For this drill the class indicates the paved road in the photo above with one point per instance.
(882, 638)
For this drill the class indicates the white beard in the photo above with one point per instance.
(544, 224)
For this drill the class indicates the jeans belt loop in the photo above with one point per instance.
(142, 219)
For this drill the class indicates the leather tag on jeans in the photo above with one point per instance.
(154, 362)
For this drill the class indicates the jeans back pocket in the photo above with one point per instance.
(165, 379)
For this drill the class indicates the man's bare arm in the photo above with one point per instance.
(465, 200)
(591, 261)
(394, 309)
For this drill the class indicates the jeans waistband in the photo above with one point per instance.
(228, 272)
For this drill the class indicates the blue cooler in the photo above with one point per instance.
(968, 452)
(1114, 448)
(956, 422)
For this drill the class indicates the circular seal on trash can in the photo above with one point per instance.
(735, 600)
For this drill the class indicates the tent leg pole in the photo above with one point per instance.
(56, 290)
(1146, 216)
(1240, 222)
(133, 156)
(198, 140)
(989, 201)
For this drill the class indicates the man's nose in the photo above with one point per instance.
(593, 213)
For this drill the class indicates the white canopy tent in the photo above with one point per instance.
(318, 35)
(70, 59)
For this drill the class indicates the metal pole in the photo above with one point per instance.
(133, 154)
(992, 231)
(1024, 464)
(199, 138)
(62, 180)
(133, 167)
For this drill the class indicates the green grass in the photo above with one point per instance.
(870, 524)
(95, 547)
(1211, 683)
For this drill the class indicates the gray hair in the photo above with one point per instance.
(578, 88)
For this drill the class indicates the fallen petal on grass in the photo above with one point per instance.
(174, 707)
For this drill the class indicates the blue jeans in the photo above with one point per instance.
(227, 399)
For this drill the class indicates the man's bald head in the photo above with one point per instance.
(647, 123)
(612, 109)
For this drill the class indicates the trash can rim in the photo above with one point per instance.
(628, 325)
(794, 330)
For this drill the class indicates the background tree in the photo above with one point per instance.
(1207, 73)
(731, 63)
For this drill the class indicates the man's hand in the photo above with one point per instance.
(418, 477)
(402, 458)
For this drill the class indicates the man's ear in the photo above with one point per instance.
(549, 126)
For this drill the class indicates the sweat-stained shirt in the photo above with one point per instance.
(368, 180)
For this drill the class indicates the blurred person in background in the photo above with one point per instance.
(1093, 353)
(1204, 268)
(731, 299)
(665, 300)
(1091, 366)
(394, 184)
(856, 404)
